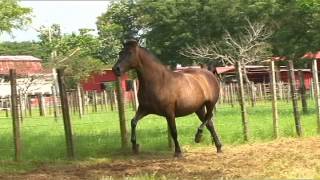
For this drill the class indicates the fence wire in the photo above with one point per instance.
(97, 119)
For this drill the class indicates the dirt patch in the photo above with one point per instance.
(285, 158)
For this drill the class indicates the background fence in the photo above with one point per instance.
(36, 127)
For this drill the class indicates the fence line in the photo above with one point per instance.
(86, 104)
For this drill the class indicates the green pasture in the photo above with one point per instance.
(97, 135)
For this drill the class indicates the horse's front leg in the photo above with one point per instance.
(173, 130)
(139, 115)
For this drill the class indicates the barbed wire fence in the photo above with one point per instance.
(87, 106)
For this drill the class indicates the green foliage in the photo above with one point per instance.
(114, 26)
(78, 53)
(171, 25)
(297, 28)
(50, 38)
(13, 16)
(23, 48)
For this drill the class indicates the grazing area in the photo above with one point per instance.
(283, 158)
(98, 146)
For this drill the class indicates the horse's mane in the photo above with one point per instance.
(153, 57)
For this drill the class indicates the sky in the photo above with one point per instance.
(71, 15)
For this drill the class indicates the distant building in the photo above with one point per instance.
(24, 65)
(31, 76)
(261, 74)
(105, 81)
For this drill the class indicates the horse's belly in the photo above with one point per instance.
(187, 107)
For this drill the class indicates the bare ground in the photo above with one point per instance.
(284, 158)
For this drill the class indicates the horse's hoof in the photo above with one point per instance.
(219, 151)
(177, 155)
(198, 137)
(135, 149)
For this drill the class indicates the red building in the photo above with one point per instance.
(24, 65)
(312, 56)
(261, 74)
(100, 81)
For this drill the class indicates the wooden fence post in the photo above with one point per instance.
(303, 92)
(274, 101)
(260, 91)
(54, 102)
(242, 103)
(288, 89)
(65, 114)
(316, 91)
(95, 101)
(253, 94)
(312, 95)
(80, 100)
(40, 104)
(83, 101)
(87, 101)
(122, 118)
(105, 100)
(110, 98)
(29, 105)
(15, 116)
(74, 101)
(294, 99)
(20, 99)
(231, 94)
(264, 88)
(280, 89)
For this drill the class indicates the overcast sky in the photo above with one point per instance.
(71, 15)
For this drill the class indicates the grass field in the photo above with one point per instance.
(97, 135)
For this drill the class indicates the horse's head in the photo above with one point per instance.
(128, 58)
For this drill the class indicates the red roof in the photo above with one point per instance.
(317, 55)
(278, 58)
(24, 65)
(220, 70)
(310, 55)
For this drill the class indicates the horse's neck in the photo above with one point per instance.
(150, 71)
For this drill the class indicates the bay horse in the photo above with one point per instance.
(169, 94)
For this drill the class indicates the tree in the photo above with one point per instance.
(171, 25)
(297, 28)
(246, 48)
(118, 23)
(22, 48)
(76, 52)
(13, 16)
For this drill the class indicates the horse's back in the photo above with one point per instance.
(195, 87)
(207, 80)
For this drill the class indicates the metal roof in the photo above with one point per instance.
(24, 65)
(19, 58)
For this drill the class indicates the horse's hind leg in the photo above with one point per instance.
(212, 129)
(201, 113)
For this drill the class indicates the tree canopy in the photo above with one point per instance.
(171, 25)
(13, 16)
(23, 48)
(76, 52)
